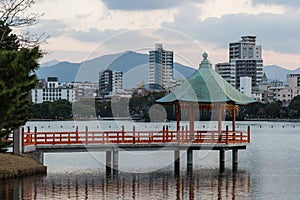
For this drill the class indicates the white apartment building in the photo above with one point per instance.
(246, 86)
(117, 82)
(160, 66)
(283, 94)
(52, 90)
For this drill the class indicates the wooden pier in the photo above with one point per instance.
(112, 142)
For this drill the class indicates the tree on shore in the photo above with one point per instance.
(294, 107)
(60, 109)
(18, 60)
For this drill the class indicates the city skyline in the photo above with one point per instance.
(78, 30)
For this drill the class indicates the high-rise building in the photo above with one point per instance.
(160, 66)
(110, 82)
(245, 60)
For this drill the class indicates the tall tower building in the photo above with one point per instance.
(245, 60)
(160, 66)
(110, 82)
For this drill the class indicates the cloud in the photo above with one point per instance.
(92, 34)
(279, 2)
(140, 5)
(275, 32)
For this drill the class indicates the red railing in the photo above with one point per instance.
(134, 137)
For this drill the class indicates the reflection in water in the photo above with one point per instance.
(203, 183)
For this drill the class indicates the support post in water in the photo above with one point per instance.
(115, 162)
(177, 162)
(234, 159)
(108, 162)
(189, 161)
(222, 160)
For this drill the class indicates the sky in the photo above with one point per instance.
(84, 29)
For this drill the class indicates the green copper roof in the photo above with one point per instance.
(206, 86)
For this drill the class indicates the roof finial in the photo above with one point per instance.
(204, 63)
(205, 55)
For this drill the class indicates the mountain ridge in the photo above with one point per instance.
(134, 66)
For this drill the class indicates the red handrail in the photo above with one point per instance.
(135, 137)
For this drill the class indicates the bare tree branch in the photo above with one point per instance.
(15, 13)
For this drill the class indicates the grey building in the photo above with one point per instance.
(245, 60)
(110, 82)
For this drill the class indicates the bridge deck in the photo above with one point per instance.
(134, 140)
(132, 147)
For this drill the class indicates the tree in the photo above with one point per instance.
(294, 107)
(59, 109)
(272, 109)
(18, 60)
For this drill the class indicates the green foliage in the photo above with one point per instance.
(272, 109)
(294, 107)
(140, 105)
(103, 109)
(60, 109)
(17, 65)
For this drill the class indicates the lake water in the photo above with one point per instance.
(268, 169)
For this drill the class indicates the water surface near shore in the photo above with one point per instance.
(268, 169)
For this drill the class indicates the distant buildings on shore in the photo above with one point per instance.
(244, 71)
(269, 91)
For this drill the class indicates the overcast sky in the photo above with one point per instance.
(83, 29)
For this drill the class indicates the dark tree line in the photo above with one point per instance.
(271, 110)
(59, 110)
(143, 108)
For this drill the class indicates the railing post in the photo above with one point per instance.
(60, 137)
(123, 134)
(163, 134)
(53, 137)
(178, 135)
(167, 133)
(76, 136)
(248, 134)
(86, 135)
(35, 135)
(227, 133)
(227, 136)
(133, 135)
(22, 138)
(186, 133)
(182, 135)
(28, 136)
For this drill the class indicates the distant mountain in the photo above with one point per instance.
(49, 63)
(134, 66)
(65, 71)
(275, 72)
